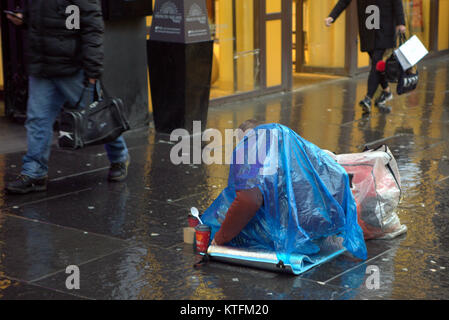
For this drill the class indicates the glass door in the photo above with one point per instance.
(317, 47)
(236, 61)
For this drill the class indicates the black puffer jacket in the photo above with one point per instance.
(53, 49)
(391, 15)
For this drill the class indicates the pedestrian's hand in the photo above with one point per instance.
(328, 21)
(214, 243)
(92, 81)
(401, 28)
(16, 21)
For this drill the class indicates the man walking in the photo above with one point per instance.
(375, 40)
(61, 63)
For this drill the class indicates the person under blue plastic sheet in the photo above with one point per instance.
(300, 196)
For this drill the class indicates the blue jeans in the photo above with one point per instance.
(46, 97)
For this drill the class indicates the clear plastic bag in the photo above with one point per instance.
(376, 186)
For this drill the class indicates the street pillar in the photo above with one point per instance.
(180, 64)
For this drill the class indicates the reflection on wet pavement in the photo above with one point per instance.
(127, 239)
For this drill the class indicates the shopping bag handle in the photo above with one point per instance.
(401, 37)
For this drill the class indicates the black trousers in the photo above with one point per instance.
(376, 78)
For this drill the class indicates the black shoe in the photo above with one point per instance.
(118, 171)
(383, 98)
(366, 105)
(25, 184)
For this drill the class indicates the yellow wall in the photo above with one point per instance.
(150, 102)
(1, 65)
(363, 58)
(274, 53)
(226, 44)
(443, 28)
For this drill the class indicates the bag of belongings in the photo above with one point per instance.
(376, 186)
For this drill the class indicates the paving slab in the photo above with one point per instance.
(142, 273)
(31, 249)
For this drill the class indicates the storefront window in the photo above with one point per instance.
(274, 53)
(273, 6)
(236, 62)
(417, 13)
(323, 47)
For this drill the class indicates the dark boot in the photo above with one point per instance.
(25, 184)
(366, 105)
(383, 98)
(118, 171)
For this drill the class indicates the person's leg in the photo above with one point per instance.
(374, 79)
(44, 104)
(386, 94)
(72, 89)
(117, 150)
(384, 83)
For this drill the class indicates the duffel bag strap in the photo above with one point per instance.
(100, 91)
(86, 85)
(81, 97)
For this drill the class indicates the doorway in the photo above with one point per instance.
(318, 52)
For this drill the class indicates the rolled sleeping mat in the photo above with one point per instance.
(268, 260)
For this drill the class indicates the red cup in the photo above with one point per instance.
(193, 222)
(202, 236)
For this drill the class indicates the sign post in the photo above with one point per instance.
(180, 64)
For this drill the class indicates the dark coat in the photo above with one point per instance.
(53, 49)
(391, 15)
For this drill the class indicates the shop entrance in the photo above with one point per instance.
(251, 47)
(318, 52)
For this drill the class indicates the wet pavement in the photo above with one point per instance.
(127, 237)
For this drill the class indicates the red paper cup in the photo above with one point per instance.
(202, 236)
(193, 222)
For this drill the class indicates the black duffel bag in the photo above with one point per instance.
(408, 81)
(393, 68)
(100, 122)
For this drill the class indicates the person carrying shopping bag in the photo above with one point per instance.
(375, 39)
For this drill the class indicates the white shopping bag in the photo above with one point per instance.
(410, 53)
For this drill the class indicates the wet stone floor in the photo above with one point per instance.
(127, 240)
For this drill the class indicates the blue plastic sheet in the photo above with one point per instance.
(306, 194)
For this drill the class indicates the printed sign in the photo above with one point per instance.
(182, 21)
